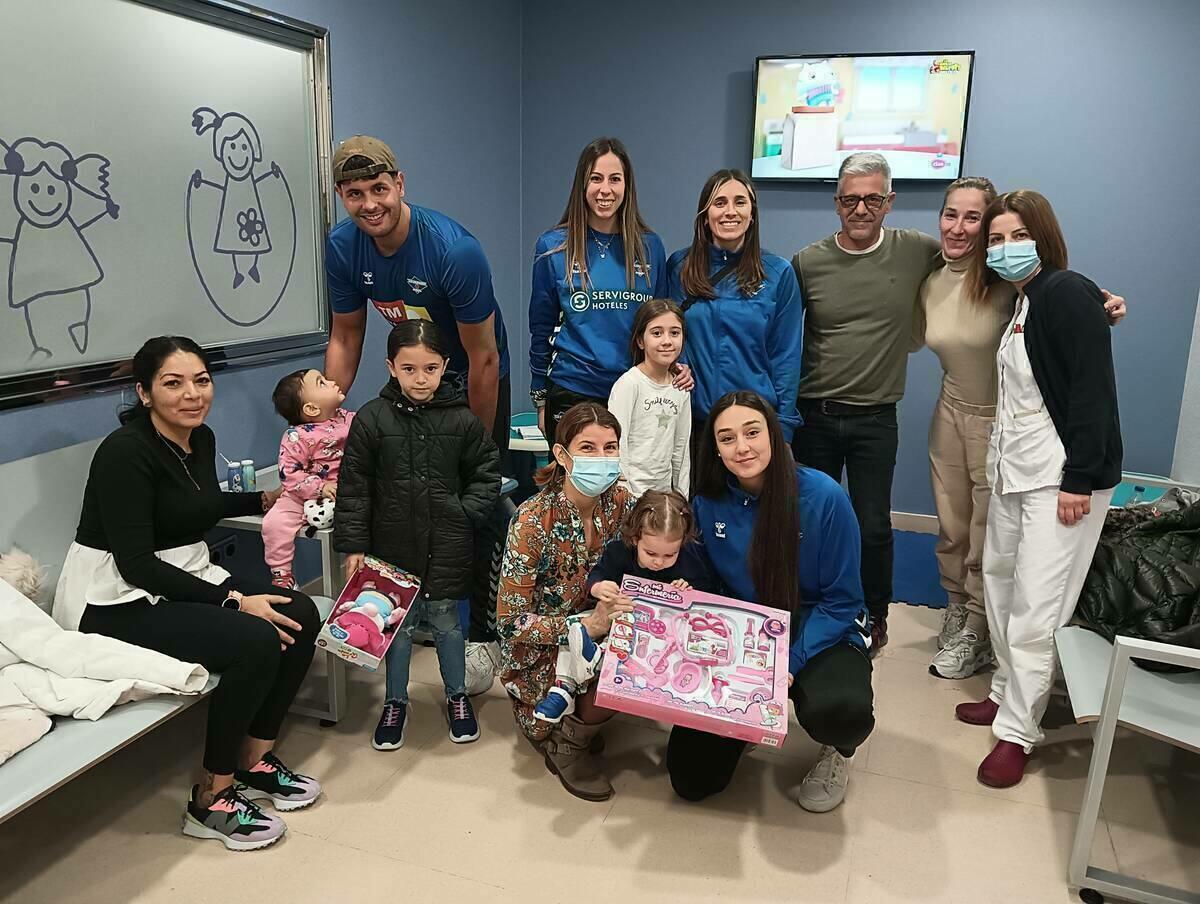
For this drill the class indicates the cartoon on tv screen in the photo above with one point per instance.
(811, 112)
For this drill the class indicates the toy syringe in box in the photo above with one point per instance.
(374, 604)
(699, 660)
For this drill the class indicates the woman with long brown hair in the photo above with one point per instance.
(742, 304)
(1053, 459)
(554, 542)
(783, 535)
(591, 272)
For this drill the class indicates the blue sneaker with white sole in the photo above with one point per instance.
(556, 704)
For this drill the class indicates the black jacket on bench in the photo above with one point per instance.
(139, 499)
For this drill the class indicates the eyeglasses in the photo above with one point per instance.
(851, 202)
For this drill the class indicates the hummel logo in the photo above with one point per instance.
(368, 278)
(417, 285)
(639, 270)
(719, 529)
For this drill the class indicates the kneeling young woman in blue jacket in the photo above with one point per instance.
(783, 535)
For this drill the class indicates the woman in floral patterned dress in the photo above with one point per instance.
(554, 542)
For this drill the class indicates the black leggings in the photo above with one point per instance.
(258, 680)
(834, 704)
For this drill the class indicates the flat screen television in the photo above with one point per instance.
(812, 111)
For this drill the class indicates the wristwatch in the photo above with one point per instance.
(232, 602)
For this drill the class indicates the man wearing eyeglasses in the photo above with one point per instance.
(860, 286)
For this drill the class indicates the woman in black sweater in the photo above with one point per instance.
(139, 571)
(1053, 460)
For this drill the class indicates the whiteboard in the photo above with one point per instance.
(163, 170)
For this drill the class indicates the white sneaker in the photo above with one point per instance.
(965, 655)
(483, 660)
(824, 788)
(953, 622)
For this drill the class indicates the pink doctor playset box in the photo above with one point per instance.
(364, 620)
(699, 660)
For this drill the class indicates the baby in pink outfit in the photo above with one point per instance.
(310, 455)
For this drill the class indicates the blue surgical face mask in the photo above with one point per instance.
(592, 475)
(1013, 261)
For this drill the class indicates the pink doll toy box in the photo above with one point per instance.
(699, 660)
(364, 620)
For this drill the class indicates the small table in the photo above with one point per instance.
(1108, 688)
(520, 443)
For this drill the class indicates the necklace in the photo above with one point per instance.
(603, 246)
(186, 469)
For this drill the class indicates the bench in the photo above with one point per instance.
(1107, 688)
(42, 499)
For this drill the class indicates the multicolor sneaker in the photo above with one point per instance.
(463, 726)
(233, 820)
(389, 733)
(269, 779)
(283, 579)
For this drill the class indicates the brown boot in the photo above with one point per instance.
(568, 756)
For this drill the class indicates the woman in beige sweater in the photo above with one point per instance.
(964, 332)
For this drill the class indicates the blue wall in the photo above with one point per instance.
(1084, 101)
(488, 104)
(439, 82)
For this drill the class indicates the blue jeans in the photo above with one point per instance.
(441, 617)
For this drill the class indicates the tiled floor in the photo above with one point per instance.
(486, 822)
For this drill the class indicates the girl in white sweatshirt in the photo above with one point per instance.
(655, 417)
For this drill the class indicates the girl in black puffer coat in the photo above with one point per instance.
(420, 473)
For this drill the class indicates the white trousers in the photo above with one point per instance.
(1033, 571)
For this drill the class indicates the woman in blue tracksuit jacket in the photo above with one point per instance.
(743, 308)
(783, 535)
(579, 324)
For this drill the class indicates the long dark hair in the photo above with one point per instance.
(149, 361)
(572, 422)
(774, 552)
(575, 217)
(750, 271)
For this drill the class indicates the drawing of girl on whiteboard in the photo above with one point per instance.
(48, 196)
(241, 224)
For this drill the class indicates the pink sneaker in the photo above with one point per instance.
(1004, 766)
(981, 713)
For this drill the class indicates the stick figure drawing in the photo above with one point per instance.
(241, 224)
(48, 197)
(246, 220)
